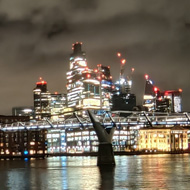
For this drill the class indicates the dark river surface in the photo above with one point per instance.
(81, 173)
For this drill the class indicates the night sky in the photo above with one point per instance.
(36, 38)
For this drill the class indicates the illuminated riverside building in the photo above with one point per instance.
(163, 139)
(24, 143)
(56, 141)
(39, 142)
(85, 87)
(79, 140)
(42, 99)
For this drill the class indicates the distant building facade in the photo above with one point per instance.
(150, 95)
(122, 98)
(161, 101)
(125, 102)
(58, 103)
(8, 119)
(23, 111)
(163, 139)
(23, 143)
(42, 99)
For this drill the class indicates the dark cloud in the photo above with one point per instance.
(56, 29)
(36, 38)
(84, 4)
(2, 19)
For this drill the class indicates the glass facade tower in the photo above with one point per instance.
(84, 86)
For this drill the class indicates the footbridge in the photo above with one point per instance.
(119, 118)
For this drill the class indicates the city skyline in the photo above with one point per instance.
(36, 41)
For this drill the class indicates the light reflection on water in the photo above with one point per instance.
(81, 173)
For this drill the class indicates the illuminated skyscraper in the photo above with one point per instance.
(42, 99)
(84, 89)
(106, 79)
(106, 90)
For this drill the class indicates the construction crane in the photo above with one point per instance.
(125, 85)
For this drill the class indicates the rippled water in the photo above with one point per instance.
(81, 173)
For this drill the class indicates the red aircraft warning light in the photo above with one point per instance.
(146, 77)
(156, 89)
(99, 78)
(118, 54)
(180, 90)
(123, 61)
(160, 98)
(42, 82)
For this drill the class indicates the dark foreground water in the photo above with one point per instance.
(81, 173)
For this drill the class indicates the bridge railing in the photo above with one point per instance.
(118, 117)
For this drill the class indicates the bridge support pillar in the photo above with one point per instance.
(105, 154)
(105, 151)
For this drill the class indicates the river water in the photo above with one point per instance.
(81, 173)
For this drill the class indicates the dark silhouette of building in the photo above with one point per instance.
(23, 111)
(126, 102)
(6, 119)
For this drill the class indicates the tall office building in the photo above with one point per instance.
(84, 85)
(42, 99)
(125, 102)
(171, 100)
(122, 98)
(57, 105)
(105, 78)
(150, 95)
(161, 101)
